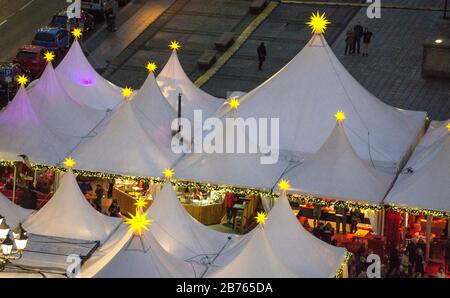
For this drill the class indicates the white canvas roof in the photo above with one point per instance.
(22, 131)
(13, 213)
(314, 85)
(84, 84)
(69, 215)
(336, 171)
(173, 80)
(58, 110)
(428, 186)
(141, 257)
(178, 232)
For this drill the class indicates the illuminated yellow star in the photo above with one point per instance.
(127, 92)
(22, 80)
(234, 103)
(168, 173)
(448, 126)
(318, 23)
(151, 66)
(340, 116)
(138, 222)
(49, 56)
(69, 162)
(284, 185)
(174, 45)
(76, 32)
(261, 218)
(140, 203)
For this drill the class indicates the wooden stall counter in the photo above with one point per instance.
(206, 214)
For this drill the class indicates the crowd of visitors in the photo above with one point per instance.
(353, 40)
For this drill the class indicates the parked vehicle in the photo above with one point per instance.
(8, 86)
(30, 59)
(86, 22)
(53, 39)
(99, 8)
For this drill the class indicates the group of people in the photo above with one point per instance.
(325, 232)
(353, 40)
(113, 209)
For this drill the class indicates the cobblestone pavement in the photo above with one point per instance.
(392, 71)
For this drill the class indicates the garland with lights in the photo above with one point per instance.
(340, 272)
(418, 211)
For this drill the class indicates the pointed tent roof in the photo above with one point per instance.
(256, 260)
(69, 215)
(178, 232)
(173, 80)
(13, 213)
(143, 257)
(315, 84)
(22, 131)
(336, 171)
(303, 253)
(123, 145)
(84, 84)
(429, 184)
(58, 110)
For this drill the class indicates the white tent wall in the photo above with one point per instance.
(59, 111)
(336, 171)
(178, 232)
(428, 186)
(13, 213)
(69, 215)
(314, 85)
(172, 81)
(22, 131)
(84, 84)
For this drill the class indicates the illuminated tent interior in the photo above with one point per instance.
(335, 171)
(84, 84)
(14, 214)
(314, 85)
(69, 215)
(22, 131)
(425, 181)
(172, 80)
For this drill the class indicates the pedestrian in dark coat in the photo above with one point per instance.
(261, 54)
(349, 42)
(358, 29)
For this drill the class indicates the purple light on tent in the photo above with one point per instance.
(87, 82)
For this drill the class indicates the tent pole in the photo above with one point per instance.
(383, 217)
(14, 184)
(35, 178)
(428, 237)
(448, 228)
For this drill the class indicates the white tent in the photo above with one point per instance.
(337, 172)
(139, 257)
(256, 260)
(58, 110)
(69, 215)
(22, 131)
(13, 213)
(173, 80)
(84, 84)
(428, 185)
(179, 233)
(314, 85)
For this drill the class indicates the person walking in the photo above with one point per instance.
(317, 213)
(99, 191)
(341, 219)
(349, 42)
(261, 54)
(358, 29)
(229, 201)
(367, 37)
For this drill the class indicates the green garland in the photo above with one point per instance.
(340, 272)
(418, 211)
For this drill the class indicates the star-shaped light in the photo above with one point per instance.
(234, 103)
(448, 126)
(69, 162)
(76, 32)
(151, 66)
(174, 45)
(49, 56)
(284, 185)
(318, 23)
(22, 80)
(261, 217)
(138, 222)
(140, 203)
(340, 116)
(168, 173)
(126, 92)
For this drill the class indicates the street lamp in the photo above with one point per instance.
(7, 244)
